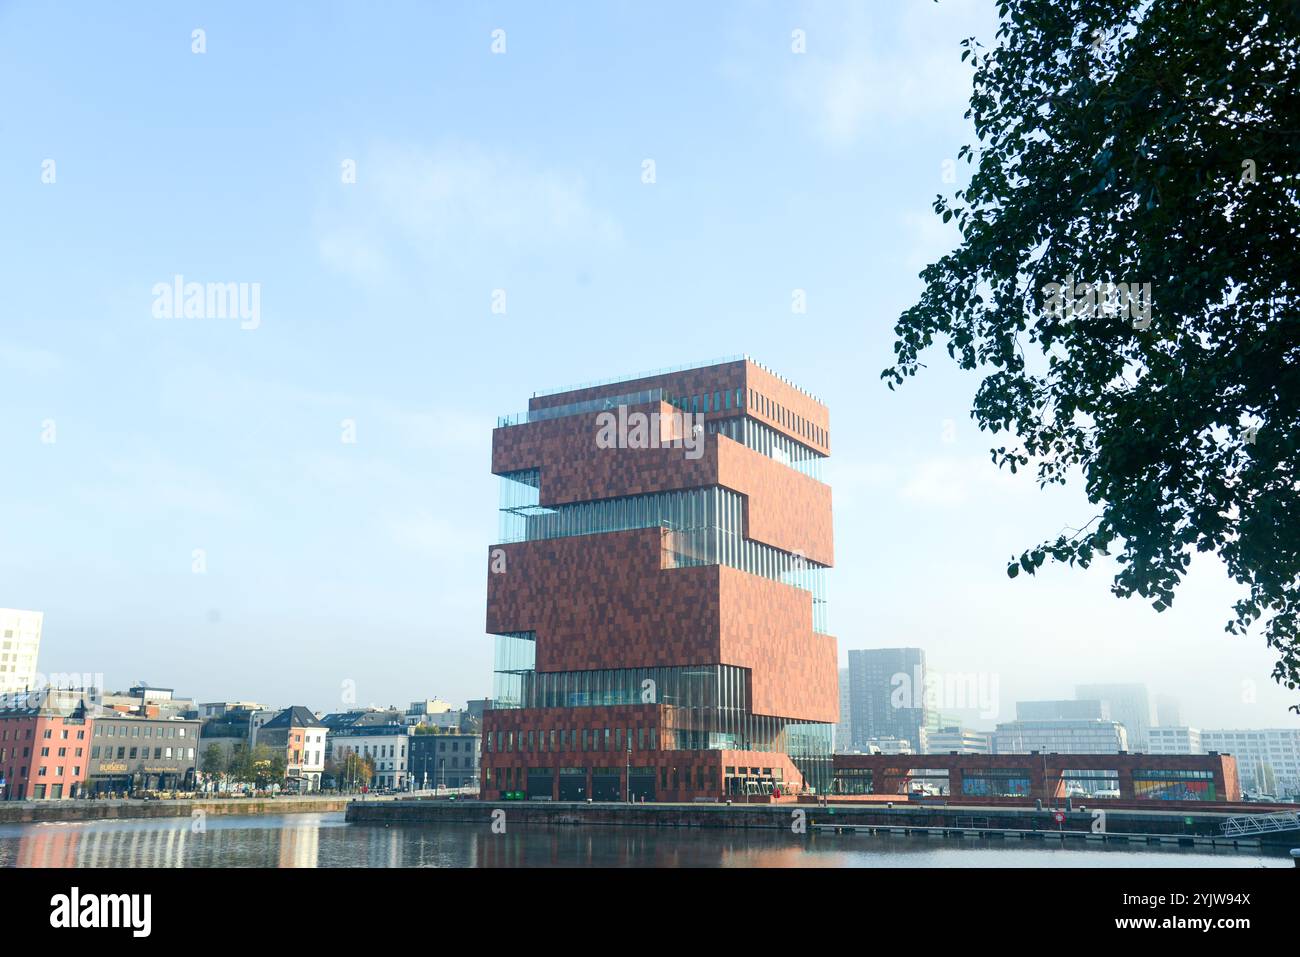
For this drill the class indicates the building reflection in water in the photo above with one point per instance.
(637, 847)
(289, 841)
(324, 840)
(316, 840)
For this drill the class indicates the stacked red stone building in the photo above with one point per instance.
(657, 595)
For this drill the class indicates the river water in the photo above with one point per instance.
(325, 840)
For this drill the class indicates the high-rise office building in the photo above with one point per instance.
(1129, 705)
(20, 644)
(887, 695)
(1169, 713)
(657, 594)
(844, 729)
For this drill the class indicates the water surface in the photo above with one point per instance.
(325, 840)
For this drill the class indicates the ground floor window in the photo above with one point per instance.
(1174, 785)
(996, 782)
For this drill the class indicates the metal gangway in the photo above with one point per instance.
(1260, 824)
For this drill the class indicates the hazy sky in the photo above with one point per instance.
(130, 441)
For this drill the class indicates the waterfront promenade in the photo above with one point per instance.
(31, 812)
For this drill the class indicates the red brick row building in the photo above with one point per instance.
(44, 748)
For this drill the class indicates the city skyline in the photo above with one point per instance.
(971, 710)
(304, 490)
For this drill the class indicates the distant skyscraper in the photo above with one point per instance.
(20, 642)
(1086, 709)
(887, 695)
(1129, 706)
(1168, 712)
(844, 730)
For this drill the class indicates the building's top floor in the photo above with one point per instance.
(374, 731)
(660, 373)
(957, 729)
(429, 706)
(20, 622)
(1249, 733)
(426, 739)
(1069, 723)
(114, 725)
(727, 388)
(362, 718)
(887, 656)
(216, 709)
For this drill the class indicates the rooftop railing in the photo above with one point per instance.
(577, 408)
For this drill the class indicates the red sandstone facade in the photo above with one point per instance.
(622, 603)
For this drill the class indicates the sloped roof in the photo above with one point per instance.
(294, 717)
(339, 720)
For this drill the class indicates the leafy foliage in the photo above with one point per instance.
(1138, 141)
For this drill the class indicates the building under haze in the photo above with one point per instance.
(1087, 709)
(958, 740)
(1174, 740)
(1169, 713)
(1065, 736)
(844, 729)
(1129, 705)
(656, 595)
(1268, 759)
(20, 644)
(886, 695)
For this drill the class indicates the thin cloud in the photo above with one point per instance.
(449, 204)
(865, 64)
(36, 362)
(951, 482)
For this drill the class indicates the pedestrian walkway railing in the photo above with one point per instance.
(1260, 824)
